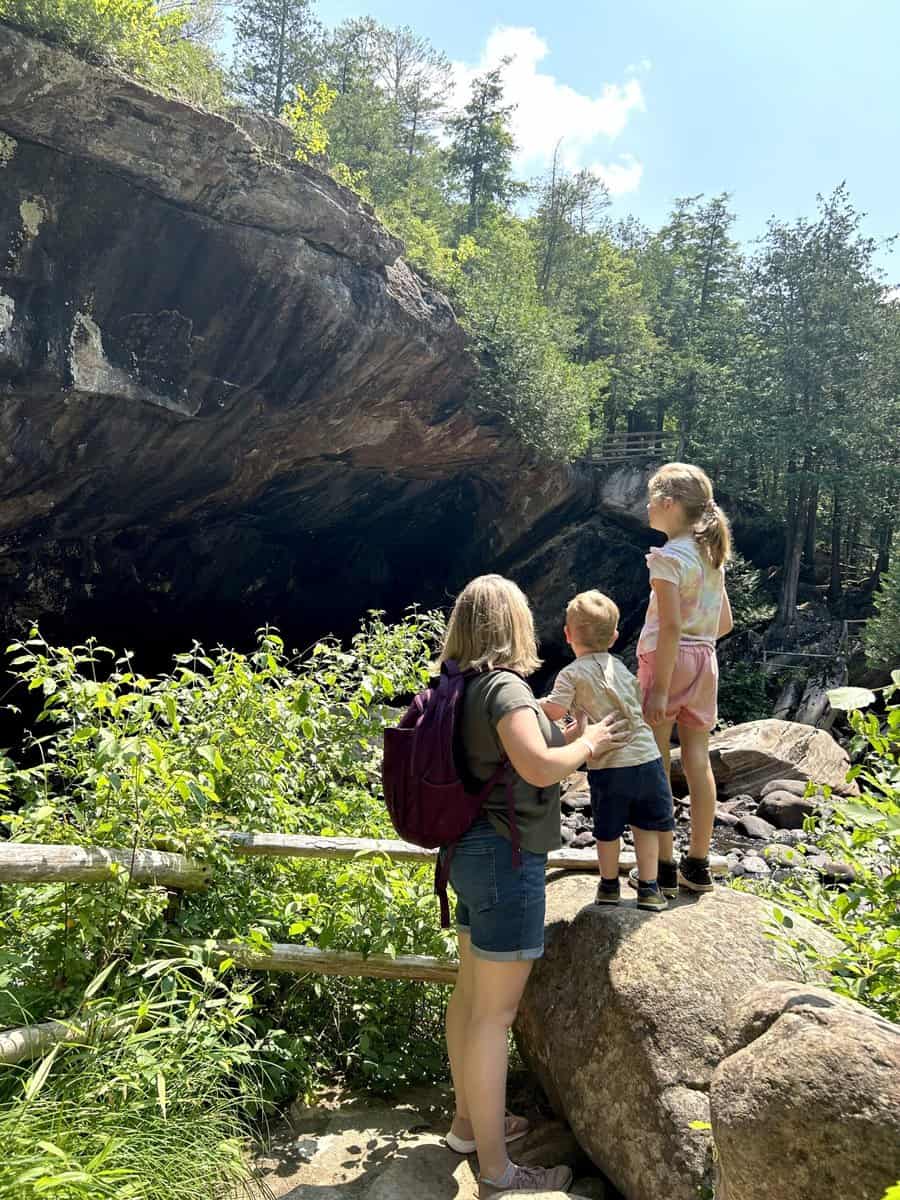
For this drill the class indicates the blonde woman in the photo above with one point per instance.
(500, 907)
(677, 667)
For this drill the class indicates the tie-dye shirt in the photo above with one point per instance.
(700, 590)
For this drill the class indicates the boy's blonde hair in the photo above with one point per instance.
(691, 487)
(491, 626)
(592, 619)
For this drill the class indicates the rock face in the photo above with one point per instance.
(807, 1105)
(227, 399)
(624, 1022)
(746, 757)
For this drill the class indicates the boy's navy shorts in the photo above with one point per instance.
(623, 796)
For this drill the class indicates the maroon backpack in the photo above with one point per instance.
(429, 802)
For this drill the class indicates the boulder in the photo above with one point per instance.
(806, 1106)
(785, 810)
(623, 1022)
(746, 757)
(797, 787)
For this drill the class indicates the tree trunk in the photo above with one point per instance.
(837, 519)
(885, 537)
(809, 547)
(793, 550)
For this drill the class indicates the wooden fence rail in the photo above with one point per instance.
(28, 862)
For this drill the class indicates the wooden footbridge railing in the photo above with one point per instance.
(34, 863)
(646, 446)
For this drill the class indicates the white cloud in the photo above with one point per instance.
(548, 110)
(622, 176)
(641, 67)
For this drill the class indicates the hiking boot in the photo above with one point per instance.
(651, 899)
(693, 874)
(608, 895)
(525, 1179)
(666, 877)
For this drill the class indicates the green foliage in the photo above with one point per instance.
(305, 117)
(744, 694)
(227, 741)
(864, 832)
(154, 1112)
(750, 603)
(480, 160)
(882, 633)
(526, 375)
(277, 47)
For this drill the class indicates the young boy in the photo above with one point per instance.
(628, 785)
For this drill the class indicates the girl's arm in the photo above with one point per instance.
(726, 620)
(669, 608)
(542, 765)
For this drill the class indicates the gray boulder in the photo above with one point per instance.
(746, 757)
(623, 1022)
(755, 827)
(807, 1104)
(786, 810)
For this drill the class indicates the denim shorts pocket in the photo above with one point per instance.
(473, 875)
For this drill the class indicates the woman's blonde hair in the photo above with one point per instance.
(692, 489)
(592, 619)
(491, 626)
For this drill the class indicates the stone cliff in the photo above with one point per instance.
(226, 399)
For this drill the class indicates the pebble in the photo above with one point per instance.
(728, 819)
(783, 856)
(789, 837)
(583, 840)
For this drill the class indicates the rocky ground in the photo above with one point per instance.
(362, 1147)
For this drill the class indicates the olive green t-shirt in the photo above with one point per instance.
(488, 699)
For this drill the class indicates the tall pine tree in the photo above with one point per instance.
(480, 159)
(277, 46)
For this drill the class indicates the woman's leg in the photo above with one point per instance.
(497, 988)
(702, 785)
(459, 1016)
(663, 735)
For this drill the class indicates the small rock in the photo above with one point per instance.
(727, 819)
(738, 804)
(777, 855)
(781, 874)
(832, 872)
(787, 811)
(754, 865)
(796, 787)
(737, 869)
(755, 827)
(583, 840)
(789, 837)
(566, 834)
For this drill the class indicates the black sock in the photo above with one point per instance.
(609, 885)
(648, 885)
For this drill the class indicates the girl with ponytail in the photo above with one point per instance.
(677, 668)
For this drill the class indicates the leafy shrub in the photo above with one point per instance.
(744, 694)
(133, 34)
(864, 832)
(228, 741)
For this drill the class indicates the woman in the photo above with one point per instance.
(500, 907)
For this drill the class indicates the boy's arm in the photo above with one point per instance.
(726, 620)
(561, 699)
(657, 699)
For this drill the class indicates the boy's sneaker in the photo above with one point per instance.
(666, 877)
(652, 899)
(526, 1179)
(607, 894)
(693, 874)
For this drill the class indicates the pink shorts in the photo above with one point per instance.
(694, 690)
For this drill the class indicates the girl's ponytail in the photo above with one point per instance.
(691, 487)
(712, 533)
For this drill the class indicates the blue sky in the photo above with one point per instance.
(771, 100)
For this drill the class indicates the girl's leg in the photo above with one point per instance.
(458, 1019)
(698, 772)
(608, 859)
(663, 735)
(646, 851)
(497, 988)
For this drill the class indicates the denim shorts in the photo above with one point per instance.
(638, 796)
(499, 905)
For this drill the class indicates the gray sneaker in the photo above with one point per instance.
(525, 1180)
